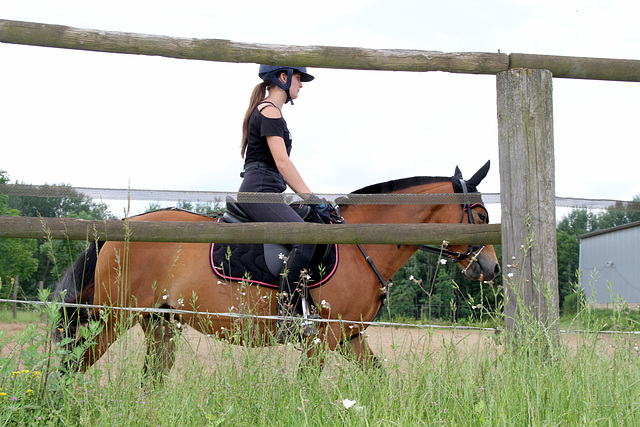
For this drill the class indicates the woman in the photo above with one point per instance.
(266, 144)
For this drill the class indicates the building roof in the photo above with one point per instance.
(609, 230)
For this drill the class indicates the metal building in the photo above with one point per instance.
(610, 264)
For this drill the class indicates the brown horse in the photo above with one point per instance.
(179, 276)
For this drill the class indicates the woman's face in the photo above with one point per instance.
(296, 84)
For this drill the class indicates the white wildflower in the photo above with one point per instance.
(348, 403)
(325, 304)
(316, 341)
(443, 261)
(510, 275)
(180, 302)
(164, 297)
(411, 277)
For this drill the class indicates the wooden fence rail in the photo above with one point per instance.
(60, 36)
(206, 232)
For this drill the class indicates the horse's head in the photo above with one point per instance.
(477, 262)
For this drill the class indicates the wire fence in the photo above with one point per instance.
(139, 310)
(343, 199)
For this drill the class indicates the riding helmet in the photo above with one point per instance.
(269, 73)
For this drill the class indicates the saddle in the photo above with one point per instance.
(261, 264)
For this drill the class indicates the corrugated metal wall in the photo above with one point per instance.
(610, 264)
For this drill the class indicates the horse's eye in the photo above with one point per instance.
(483, 217)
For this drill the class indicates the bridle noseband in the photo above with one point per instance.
(473, 250)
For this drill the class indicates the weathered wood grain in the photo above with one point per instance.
(208, 231)
(36, 34)
(527, 176)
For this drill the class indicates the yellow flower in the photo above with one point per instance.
(36, 373)
(26, 371)
(3, 394)
(16, 373)
(29, 391)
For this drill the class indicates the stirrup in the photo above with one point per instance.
(297, 326)
(293, 328)
(308, 325)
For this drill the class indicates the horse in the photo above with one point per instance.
(179, 276)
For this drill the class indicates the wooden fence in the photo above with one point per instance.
(206, 232)
(36, 34)
(525, 123)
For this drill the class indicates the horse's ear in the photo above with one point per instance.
(457, 173)
(479, 176)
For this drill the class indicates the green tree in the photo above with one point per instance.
(53, 257)
(429, 286)
(17, 256)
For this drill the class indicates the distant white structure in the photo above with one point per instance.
(610, 265)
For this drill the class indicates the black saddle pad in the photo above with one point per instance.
(238, 262)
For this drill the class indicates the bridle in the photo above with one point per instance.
(473, 250)
(470, 255)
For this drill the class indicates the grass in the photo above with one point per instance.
(533, 379)
(595, 382)
(6, 316)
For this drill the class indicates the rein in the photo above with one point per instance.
(472, 252)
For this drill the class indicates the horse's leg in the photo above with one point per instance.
(161, 338)
(360, 351)
(100, 344)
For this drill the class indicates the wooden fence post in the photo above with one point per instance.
(527, 187)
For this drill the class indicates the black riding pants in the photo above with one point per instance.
(263, 179)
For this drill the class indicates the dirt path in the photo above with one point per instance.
(388, 343)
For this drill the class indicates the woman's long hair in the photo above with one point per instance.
(258, 95)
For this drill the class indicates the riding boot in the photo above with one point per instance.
(292, 280)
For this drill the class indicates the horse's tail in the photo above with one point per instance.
(77, 287)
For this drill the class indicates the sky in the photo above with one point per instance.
(105, 120)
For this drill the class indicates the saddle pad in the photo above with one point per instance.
(238, 262)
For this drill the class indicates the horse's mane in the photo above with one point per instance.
(400, 184)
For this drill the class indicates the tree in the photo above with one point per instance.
(17, 256)
(54, 256)
(429, 286)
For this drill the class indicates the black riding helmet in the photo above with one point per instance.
(270, 73)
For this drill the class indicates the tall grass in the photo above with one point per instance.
(434, 381)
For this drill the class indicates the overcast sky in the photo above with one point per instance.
(117, 121)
